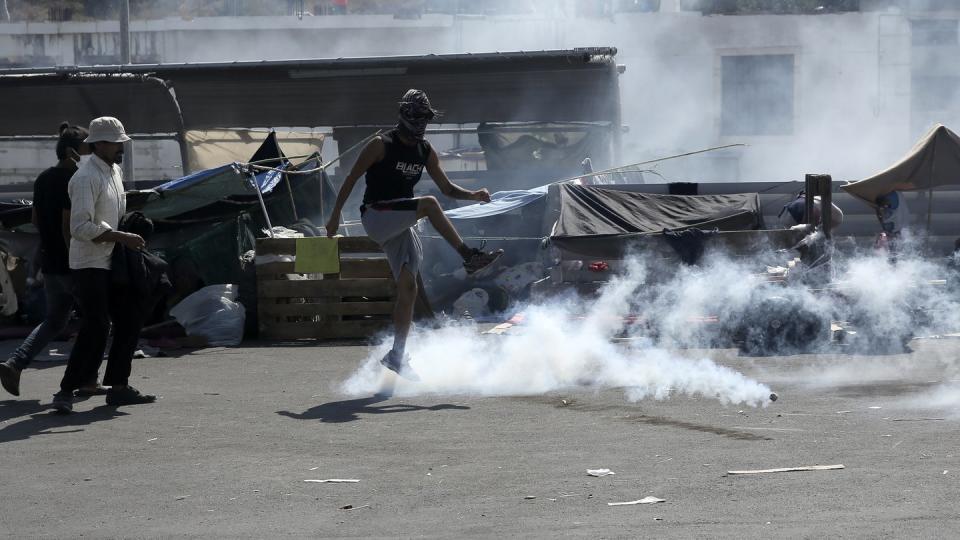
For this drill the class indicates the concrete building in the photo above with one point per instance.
(844, 93)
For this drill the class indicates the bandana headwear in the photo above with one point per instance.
(415, 113)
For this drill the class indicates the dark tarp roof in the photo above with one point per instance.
(596, 220)
(568, 85)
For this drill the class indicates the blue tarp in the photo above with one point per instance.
(500, 203)
(267, 180)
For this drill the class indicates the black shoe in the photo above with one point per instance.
(128, 395)
(63, 402)
(399, 364)
(479, 259)
(10, 377)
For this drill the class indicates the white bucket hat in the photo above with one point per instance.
(106, 129)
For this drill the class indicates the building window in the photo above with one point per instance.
(934, 32)
(757, 95)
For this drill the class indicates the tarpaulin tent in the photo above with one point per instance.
(602, 220)
(934, 161)
(226, 190)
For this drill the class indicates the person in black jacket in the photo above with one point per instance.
(51, 217)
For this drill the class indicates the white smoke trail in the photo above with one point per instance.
(563, 345)
(567, 343)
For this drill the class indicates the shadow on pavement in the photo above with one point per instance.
(349, 410)
(13, 408)
(39, 422)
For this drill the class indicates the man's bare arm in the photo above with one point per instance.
(447, 187)
(371, 153)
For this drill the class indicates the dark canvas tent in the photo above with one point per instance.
(934, 161)
(600, 221)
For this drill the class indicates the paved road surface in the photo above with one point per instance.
(226, 451)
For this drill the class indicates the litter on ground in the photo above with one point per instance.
(645, 500)
(790, 469)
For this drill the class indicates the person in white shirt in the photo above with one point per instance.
(97, 203)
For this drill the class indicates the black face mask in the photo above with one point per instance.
(413, 127)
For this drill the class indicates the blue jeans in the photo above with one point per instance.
(58, 289)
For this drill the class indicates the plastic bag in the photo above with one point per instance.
(473, 302)
(213, 313)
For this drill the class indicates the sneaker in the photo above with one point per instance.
(128, 395)
(479, 259)
(63, 402)
(10, 377)
(400, 365)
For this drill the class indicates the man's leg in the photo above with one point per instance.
(403, 309)
(127, 317)
(91, 286)
(473, 259)
(57, 290)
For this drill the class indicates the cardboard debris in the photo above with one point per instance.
(334, 481)
(791, 469)
(499, 329)
(600, 472)
(645, 500)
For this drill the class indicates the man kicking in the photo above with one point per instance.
(393, 163)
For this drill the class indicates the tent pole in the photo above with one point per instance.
(293, 205)
(933, 171)
(263, 206)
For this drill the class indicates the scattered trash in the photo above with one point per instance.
(153, 439)
(530, 497)
(352, 507)
(946, 471)
(774, 396)
(182, 497)
(314, 468)
(499, 329)
(875, 407)
(554, 500)
(790, 469)
(843, 412)
(598, 266)
(645, 500)
(600, 472)
(915, 419)
(473, 301)
(212, 312)
(334, 481)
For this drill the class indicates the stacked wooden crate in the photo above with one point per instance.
(357, 302)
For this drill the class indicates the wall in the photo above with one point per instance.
(852, 73)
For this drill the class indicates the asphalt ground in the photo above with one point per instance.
(226, 451)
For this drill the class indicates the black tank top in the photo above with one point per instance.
(394, 176)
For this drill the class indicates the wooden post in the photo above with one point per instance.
(825, 190)
(809, 191)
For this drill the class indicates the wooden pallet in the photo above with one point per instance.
(355, 303)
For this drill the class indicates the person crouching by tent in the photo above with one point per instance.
(894, 216)
(97, 205)
(797, 208)
(392, 164)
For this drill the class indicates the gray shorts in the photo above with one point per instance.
(390, 224)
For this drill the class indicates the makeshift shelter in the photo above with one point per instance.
(601, 221)
(934, 161)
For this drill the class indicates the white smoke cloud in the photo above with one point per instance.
(569, 343)
(562, 344)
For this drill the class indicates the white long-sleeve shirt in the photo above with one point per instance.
(97, 202)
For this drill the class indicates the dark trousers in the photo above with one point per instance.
(100, 303)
